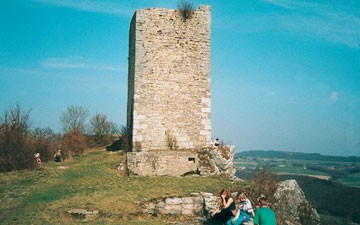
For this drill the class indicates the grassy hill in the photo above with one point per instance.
(91, 182)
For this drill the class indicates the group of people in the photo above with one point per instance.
(229, 214)
(57, 157)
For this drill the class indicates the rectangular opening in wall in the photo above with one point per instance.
(191, 159)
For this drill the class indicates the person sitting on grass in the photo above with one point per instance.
(264, 215)
(57, 156)
(245, 211)
(37, 159)
(226, 211)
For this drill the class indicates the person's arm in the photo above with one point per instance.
(227, 203)
(216, 211)
(249, 208)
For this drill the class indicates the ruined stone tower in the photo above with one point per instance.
(169, 99)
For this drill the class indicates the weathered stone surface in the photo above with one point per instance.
(82, 213)
(293, 205)
(160, 205)
(159, 163)
(174, 201)
(194, 205)
(169, 99)
(207, 161)
(216, 161)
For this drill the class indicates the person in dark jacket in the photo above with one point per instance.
(227, 209)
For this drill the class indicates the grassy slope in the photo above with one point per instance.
(91, 182)
(352, 180)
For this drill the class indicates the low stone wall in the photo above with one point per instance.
(197, 204)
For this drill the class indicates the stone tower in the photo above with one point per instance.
(169, 99)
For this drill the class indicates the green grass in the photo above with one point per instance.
(352, 180)
(92, 182)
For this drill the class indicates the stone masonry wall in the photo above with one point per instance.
(205, 162)
(160, 163)
(169, 101)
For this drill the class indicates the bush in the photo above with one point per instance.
(73, 143)
(115, 146)
(15, 144)
(263, 181)
(44, 141)
(186, 9)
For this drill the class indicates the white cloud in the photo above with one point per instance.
(96, 6)
(79, 62)
(334, 96)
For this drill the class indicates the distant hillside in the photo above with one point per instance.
(295, 155)
(324, 195)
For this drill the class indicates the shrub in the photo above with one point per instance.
(15, 144)
(171, 141)
(125, 139)
(44, 141)
(115, 146)
(186, 9)
(263, 181)
(73, 143)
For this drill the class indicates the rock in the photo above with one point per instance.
(173, 201)
(82, 213)
(216, 161)
(293, 205)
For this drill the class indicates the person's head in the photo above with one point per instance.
(37, 155)
(263, 201)
(242, 196)
(224, 193)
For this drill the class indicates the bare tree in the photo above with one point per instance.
(73, 119)
(100, 127)
(114, 128)
(15, 150)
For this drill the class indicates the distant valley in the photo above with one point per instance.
(326, 180)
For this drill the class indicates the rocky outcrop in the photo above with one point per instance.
(217, 160)
(292, 205)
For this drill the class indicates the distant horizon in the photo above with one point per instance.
(345, 156)
(284, 74)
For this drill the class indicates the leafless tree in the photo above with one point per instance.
(73, 119)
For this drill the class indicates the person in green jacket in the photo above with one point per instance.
(264, 215)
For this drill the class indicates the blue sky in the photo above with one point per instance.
(285, 74)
